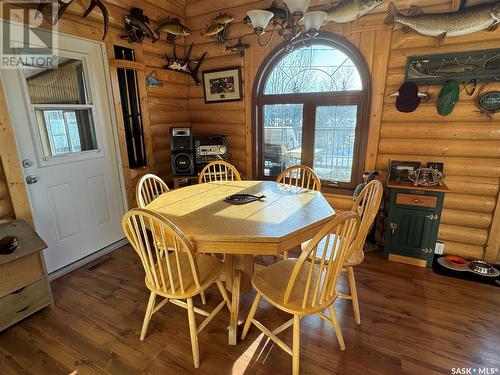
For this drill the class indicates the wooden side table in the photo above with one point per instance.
(413, 223)
(24, 284)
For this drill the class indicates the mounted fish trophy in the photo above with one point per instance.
(218, 28)
(351, 10)
(171, 28)
(137, 26)
(239, 47)
(63, 5)
(184, 66)
(441, 25)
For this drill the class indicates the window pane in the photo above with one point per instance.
(66, 131)
(64, 85)
(282, 137)
(334, 142)
(316, 68)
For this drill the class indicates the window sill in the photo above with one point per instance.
(337, 191)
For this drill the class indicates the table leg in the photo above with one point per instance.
(239, 272)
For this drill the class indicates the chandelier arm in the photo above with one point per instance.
(269, 40)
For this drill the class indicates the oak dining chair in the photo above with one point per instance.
(366, 206)
(307, 285)
(177, 275)
(149, 188)
(299, 176)
(219, 170)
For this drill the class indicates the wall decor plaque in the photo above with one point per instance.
(223, 85)
(481, 66)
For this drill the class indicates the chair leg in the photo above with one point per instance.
(203, 298)
(285, 255)
(223, 292)
(251, 314)
(354, 294)
(338, 331)
(148, 315)
(296, 345)
(193, 334)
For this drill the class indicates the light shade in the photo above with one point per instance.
(260, 18)
(297, 6)
(313, 20)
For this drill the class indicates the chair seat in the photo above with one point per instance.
(355, 259)
(209, 269)
(272, 281)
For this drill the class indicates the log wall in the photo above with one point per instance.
(465, 141)
(162, 107)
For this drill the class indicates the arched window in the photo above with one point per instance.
(312, 108)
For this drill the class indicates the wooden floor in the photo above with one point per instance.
(413, 321)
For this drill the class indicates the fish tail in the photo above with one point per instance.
(392, 12)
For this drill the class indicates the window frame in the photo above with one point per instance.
(310, 102)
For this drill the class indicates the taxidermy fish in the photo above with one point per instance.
(441, 25)
(223, 19)
(137, 25)
(454, 69)
(239, 47)
(351, 10)
(172, 28)
(213, 29)
(279, 14)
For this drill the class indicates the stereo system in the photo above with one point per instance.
(181, 151)
(190, 154)
(209, 148)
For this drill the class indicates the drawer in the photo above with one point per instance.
(19, 273)
(23, 302)
(416, 200)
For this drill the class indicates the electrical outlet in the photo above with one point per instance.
(439, 249)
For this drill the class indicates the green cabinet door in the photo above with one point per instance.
(412, 233)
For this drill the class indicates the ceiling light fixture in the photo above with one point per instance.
(290, 27)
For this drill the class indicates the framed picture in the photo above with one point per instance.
(223, 85)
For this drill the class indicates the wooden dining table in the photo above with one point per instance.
(285, 218)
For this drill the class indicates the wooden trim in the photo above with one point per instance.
(408, 260)
(125, 64)
(310, 102)
(12, 164)
(492, 252)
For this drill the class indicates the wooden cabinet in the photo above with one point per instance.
(413, 223)
(24, 285)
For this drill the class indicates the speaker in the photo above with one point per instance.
(181, 152)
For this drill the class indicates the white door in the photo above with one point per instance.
(63, 127)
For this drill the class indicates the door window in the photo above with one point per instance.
(63, 109)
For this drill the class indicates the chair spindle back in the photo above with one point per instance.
(323, 270)
(366, 206)
(300, 176)
(219, 171)
(148, 188)
(165, 271)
